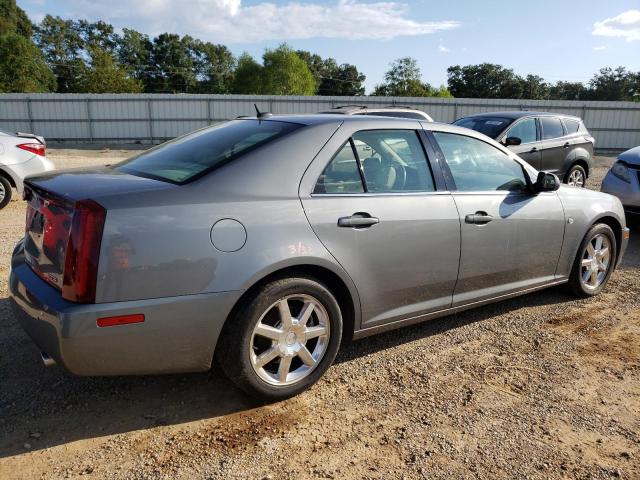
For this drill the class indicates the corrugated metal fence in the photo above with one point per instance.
(151, 118)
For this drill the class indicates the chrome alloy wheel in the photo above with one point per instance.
(596, 261)
(290, 339)
(576, 178)
(3, 193)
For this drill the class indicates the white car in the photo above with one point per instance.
(21, 154)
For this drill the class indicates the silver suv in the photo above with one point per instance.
(550, 142)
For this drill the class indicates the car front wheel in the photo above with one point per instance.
(594, 262)
(282, 340)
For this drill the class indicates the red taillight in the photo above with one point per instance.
(120, 320)
(37, 148)
(83, 252)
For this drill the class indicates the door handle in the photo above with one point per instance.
(358, 220)
(478, 218)
(566, 145)
(534, 149)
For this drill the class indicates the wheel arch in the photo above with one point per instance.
(6, 175)
(616, 226)
(578, 161)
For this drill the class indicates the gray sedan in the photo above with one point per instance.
(623, 180)
(266, 242)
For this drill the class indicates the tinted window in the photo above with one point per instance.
(342, 174)
(572, 126)
(393, 161)
(478, 166)
(190, 155)
(490, 126)
(525, 130)
(551, 128)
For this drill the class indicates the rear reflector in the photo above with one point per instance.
(120, 320)
(37, 148)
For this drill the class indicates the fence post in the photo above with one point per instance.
(209, 118)
(150, 117)
(29, 115)
(88, 108)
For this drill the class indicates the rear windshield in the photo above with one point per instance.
(194, 154)
(490, 126)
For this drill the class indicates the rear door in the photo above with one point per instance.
(526, 129)
(554, 145)
(373, 200)
(510, 238)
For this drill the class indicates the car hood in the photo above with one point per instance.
(631, 157)
(82, 183)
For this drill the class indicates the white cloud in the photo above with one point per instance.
(228, 21)
(599, 48)
(443, 49)
(626, 25)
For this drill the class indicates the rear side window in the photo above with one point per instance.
(342, 175)
(194, 154)
(572, 126)
(551, 128)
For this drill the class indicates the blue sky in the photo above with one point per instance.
(558, 40)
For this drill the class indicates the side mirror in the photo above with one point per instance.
(512, 141)
(546, 182)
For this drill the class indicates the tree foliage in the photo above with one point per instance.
(404, 79)
(105, 75)
(285, 73)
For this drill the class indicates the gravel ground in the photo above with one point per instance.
(542, 386)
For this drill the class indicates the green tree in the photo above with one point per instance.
(172, 66)
(535, 88)
(614, 84)
(134, 54)
(568, 91)
(285, 73)
(214, 66)
(486, 80)
(403, 79)
(341, 80)
(105, 75)
(22, 66)
(248, 76)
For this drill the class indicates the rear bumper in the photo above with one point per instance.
(179, 334)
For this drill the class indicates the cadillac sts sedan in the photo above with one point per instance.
(263, 243)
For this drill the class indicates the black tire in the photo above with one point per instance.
(576, 169)
(235, 343)
(5, 187)
(575, 285)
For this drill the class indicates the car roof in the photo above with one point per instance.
(354, 109)
(322, 118)
(514, 114)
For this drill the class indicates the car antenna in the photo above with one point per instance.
(260, 114)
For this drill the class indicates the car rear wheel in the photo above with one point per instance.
(594, 262)
(577, 176)
(282, 340)
(5, 192)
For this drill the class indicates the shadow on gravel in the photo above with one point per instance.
(41, 408)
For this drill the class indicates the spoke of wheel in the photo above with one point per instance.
(305, 313)
(590, 250)
(305, 356)
(586, 262)
(598, 243)
(283, 368)
(593, 279)
(268, 331)
(314, 332)
(604, 252)
(285, 313)
(265, 357)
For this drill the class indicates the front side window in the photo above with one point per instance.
(478, 166)
(551, 128)
(525, 130)
(191, 155)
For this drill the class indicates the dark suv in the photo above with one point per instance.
(551, 142)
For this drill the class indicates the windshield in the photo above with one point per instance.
(490, 126)
(194, 154)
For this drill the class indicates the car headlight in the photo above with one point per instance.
(621, 171)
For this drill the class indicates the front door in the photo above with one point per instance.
(526, 130)
(376, 209)
(510, 238)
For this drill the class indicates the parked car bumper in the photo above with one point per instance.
(178, 334)
(628, 193)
